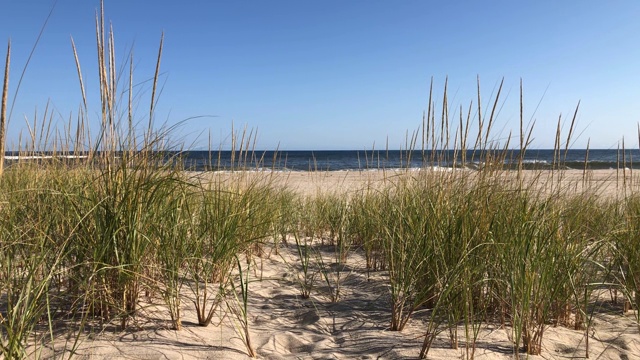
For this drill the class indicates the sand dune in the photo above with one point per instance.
(283, 325)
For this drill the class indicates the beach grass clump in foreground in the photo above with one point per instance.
(30, 258)
(463, 247)
(434, 232)
(409, 218)
(91, 243)
(238, 306)
(124, 204)
(364, 227)
(90, 239)
(408, 252)
(173, 243)
(232, 217)
(587, 225)
(530, 247)
(210, 259)
(627, 253)
(287, 218)
(473, 248)
(306, 272)
(332, 210)
(322, 242)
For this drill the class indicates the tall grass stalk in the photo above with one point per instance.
(333, 222)
(364, 228)
(3, 107)
(172, 241)
(408, 247)
(36, 236)
(238, 306)
(306, 275)
(213, 249)
(287, 218)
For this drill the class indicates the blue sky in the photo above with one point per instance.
(341, 74)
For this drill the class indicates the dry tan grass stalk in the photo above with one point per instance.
(31, 130)
(428, 118)
(480, 126)
(492, 116)
(571, 128)
(101, 68)
(46, 133)
(132, 140)
(3, 108)
(155, 83)
(624, 168)
(444, 128)
(585, 177)
(75, 55)
(464, 135)
(521, 155)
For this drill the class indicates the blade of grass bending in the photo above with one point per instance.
(444, 116)
(3, 108)
(155, 83)
(478, 142)
(82, 88)
(573, 123)
(492, 116)
(521, 155)
(586, 162)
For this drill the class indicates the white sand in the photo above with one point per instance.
(285, 326)
(602, 182)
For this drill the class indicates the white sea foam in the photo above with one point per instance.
(533, 161)
(41, 157)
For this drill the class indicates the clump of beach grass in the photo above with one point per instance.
(306, 274)
(90, 236)
(332, 210)
(172, 241)
(627, 253)
(238, 306)
(364, 227)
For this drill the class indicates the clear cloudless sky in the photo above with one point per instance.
(337, 74)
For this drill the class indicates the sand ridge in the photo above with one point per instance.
(283, 325)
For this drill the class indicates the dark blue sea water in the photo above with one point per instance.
(336, 160)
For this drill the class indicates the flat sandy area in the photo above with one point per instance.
(285, 326)
(609, 183)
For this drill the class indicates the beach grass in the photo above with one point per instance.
(83, 241)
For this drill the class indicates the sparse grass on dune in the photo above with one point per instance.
(626, 251)
(82, 242)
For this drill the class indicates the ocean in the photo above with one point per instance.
(340, 160)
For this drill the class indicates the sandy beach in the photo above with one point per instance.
(283, 325)
(607, 183)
